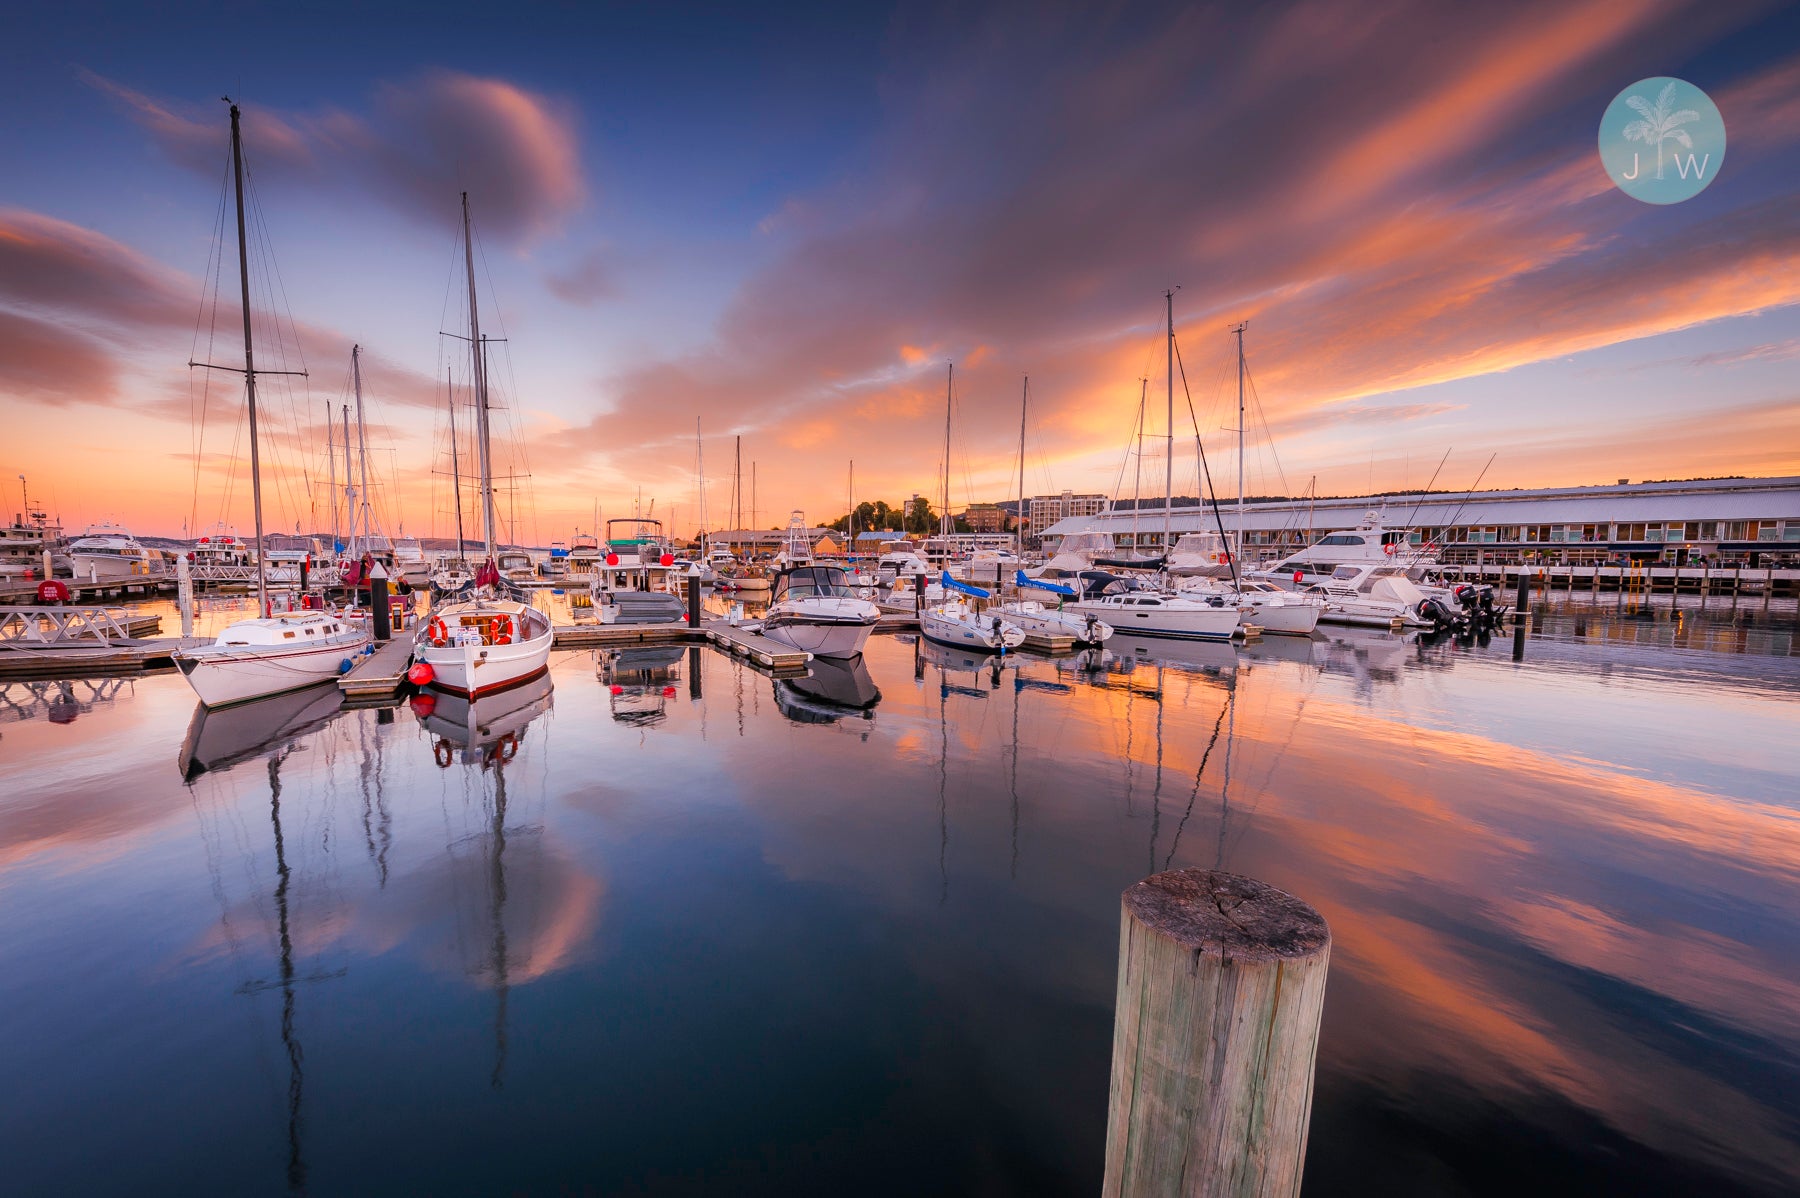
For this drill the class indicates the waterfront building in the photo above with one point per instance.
(1043, 511)
(1747, 521)
(985, 517)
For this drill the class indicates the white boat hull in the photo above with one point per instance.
(982, 633)
(820, 639)
(1283, 614)
(1049, 622)
(221, 676)
(106, 567)
(1200, 623)
(480, 669)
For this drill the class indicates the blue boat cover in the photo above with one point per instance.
(950, 584)
(1054, 588)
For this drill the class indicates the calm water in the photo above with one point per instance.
(676, 927)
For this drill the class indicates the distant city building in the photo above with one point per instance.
(985, 517)
(1045, 510)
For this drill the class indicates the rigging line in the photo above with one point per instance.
(1218, 520)
(1421, 503)
(215, 259)
(1256, 401)
(1451, 523)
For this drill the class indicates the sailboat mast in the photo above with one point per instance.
(850, 520)
(455, 464)
(1137, 472)
(331, 467)
(700, 478)
(737, 484)
(482, 449)
(237, 169)
(1169, 465)
(362, 440)
(945, 526)
(1019, 516)
(349, 483)
(1239, 550)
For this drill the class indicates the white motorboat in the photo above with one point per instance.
(271, 654)
(958, 623)
(516, 565)
(482, 645)
(898, 560)
(1372, 544)
(109, 553)
(637, 559)
(584, 553)
(1161, 613)
(1272, 609)
(410, 562)
(814, 608)
(1377, 596)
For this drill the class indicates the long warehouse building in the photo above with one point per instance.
(1752, 521)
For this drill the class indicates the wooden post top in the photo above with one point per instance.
(1227, 915)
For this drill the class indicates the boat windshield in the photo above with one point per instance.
(807, 581)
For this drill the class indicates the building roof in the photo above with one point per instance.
(1715, 499)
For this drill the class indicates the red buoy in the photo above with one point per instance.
(612, 559)
(667, 559)
(423, 705)
(1299, 575)
(421, 674)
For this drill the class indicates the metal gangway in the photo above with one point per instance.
(51, 627)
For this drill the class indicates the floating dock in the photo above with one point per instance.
(756, 647)
(380, 673)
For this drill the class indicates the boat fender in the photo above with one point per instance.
(1299, 575)
(443, 753)
(421, 674)
(423, 704)
(345, 666)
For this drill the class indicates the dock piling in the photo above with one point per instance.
(1215, 1033)
(184, 594)
(378, 604)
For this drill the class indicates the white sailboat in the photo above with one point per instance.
(271, 653)
(1031, 615)
(484, 643)
(958, 623)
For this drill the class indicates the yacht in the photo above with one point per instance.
(1372, 544)
(814, 608)
(221, 554)
(271, 655)
(557, 564)
(109, 553)
(1271, 608)
(1374, 595)
(899, 560)
(24, 542)
(516, 564)
(410, 562)
(584, 553)
(1149, 612)
(637, 558)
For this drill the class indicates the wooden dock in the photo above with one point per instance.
(756, 647)
(606, 636)
(380, 673)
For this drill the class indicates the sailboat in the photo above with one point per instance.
(484, 643)
(1150, 612)
(269, 654)
(1272, 608)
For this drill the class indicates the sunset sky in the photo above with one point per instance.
(784, 223)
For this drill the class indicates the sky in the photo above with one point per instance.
(697, 225)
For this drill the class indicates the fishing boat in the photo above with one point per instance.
(109, 553)
(958, 623)
(271, 653)
(814, 608)
(584, 553)
(796, 543)
(1034, 617)
(484, 643)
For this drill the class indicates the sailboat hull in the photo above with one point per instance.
(224, 677)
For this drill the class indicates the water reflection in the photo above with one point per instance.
(1563, 895)
(833, 689)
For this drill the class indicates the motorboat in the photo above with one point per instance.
(411, 563)
(516, 565)
(958, 623)
(1273, 609)
(1034, 617)
(640, 681)
(268, 655)
(898, 560)
(219, 556)
(451, 573)
(584, 553)
(1371, 544)
(637, 558)
(1375, 596)
(480, 645)
(988, 565)
(814, 608)
(1151, 612)
(628, 606)
(109, 553)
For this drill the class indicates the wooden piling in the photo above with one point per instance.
(1221, 986)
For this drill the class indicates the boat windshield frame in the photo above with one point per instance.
(812, 582)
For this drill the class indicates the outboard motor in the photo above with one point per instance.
(1438, 612)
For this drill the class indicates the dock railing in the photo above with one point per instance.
(42, 626)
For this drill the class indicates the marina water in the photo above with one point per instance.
(678, 927)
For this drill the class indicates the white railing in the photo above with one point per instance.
(35, 626)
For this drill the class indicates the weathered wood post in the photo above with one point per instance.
(1221, 986)
(918, 595)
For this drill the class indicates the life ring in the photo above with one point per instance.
(507, 747)
(506, 630)
(437, 633)
(1388, 548)
(443, 753)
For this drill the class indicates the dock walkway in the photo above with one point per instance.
(380, 673)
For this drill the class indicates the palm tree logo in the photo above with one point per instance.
(1659, 123)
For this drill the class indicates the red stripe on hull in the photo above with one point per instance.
(492, 690)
